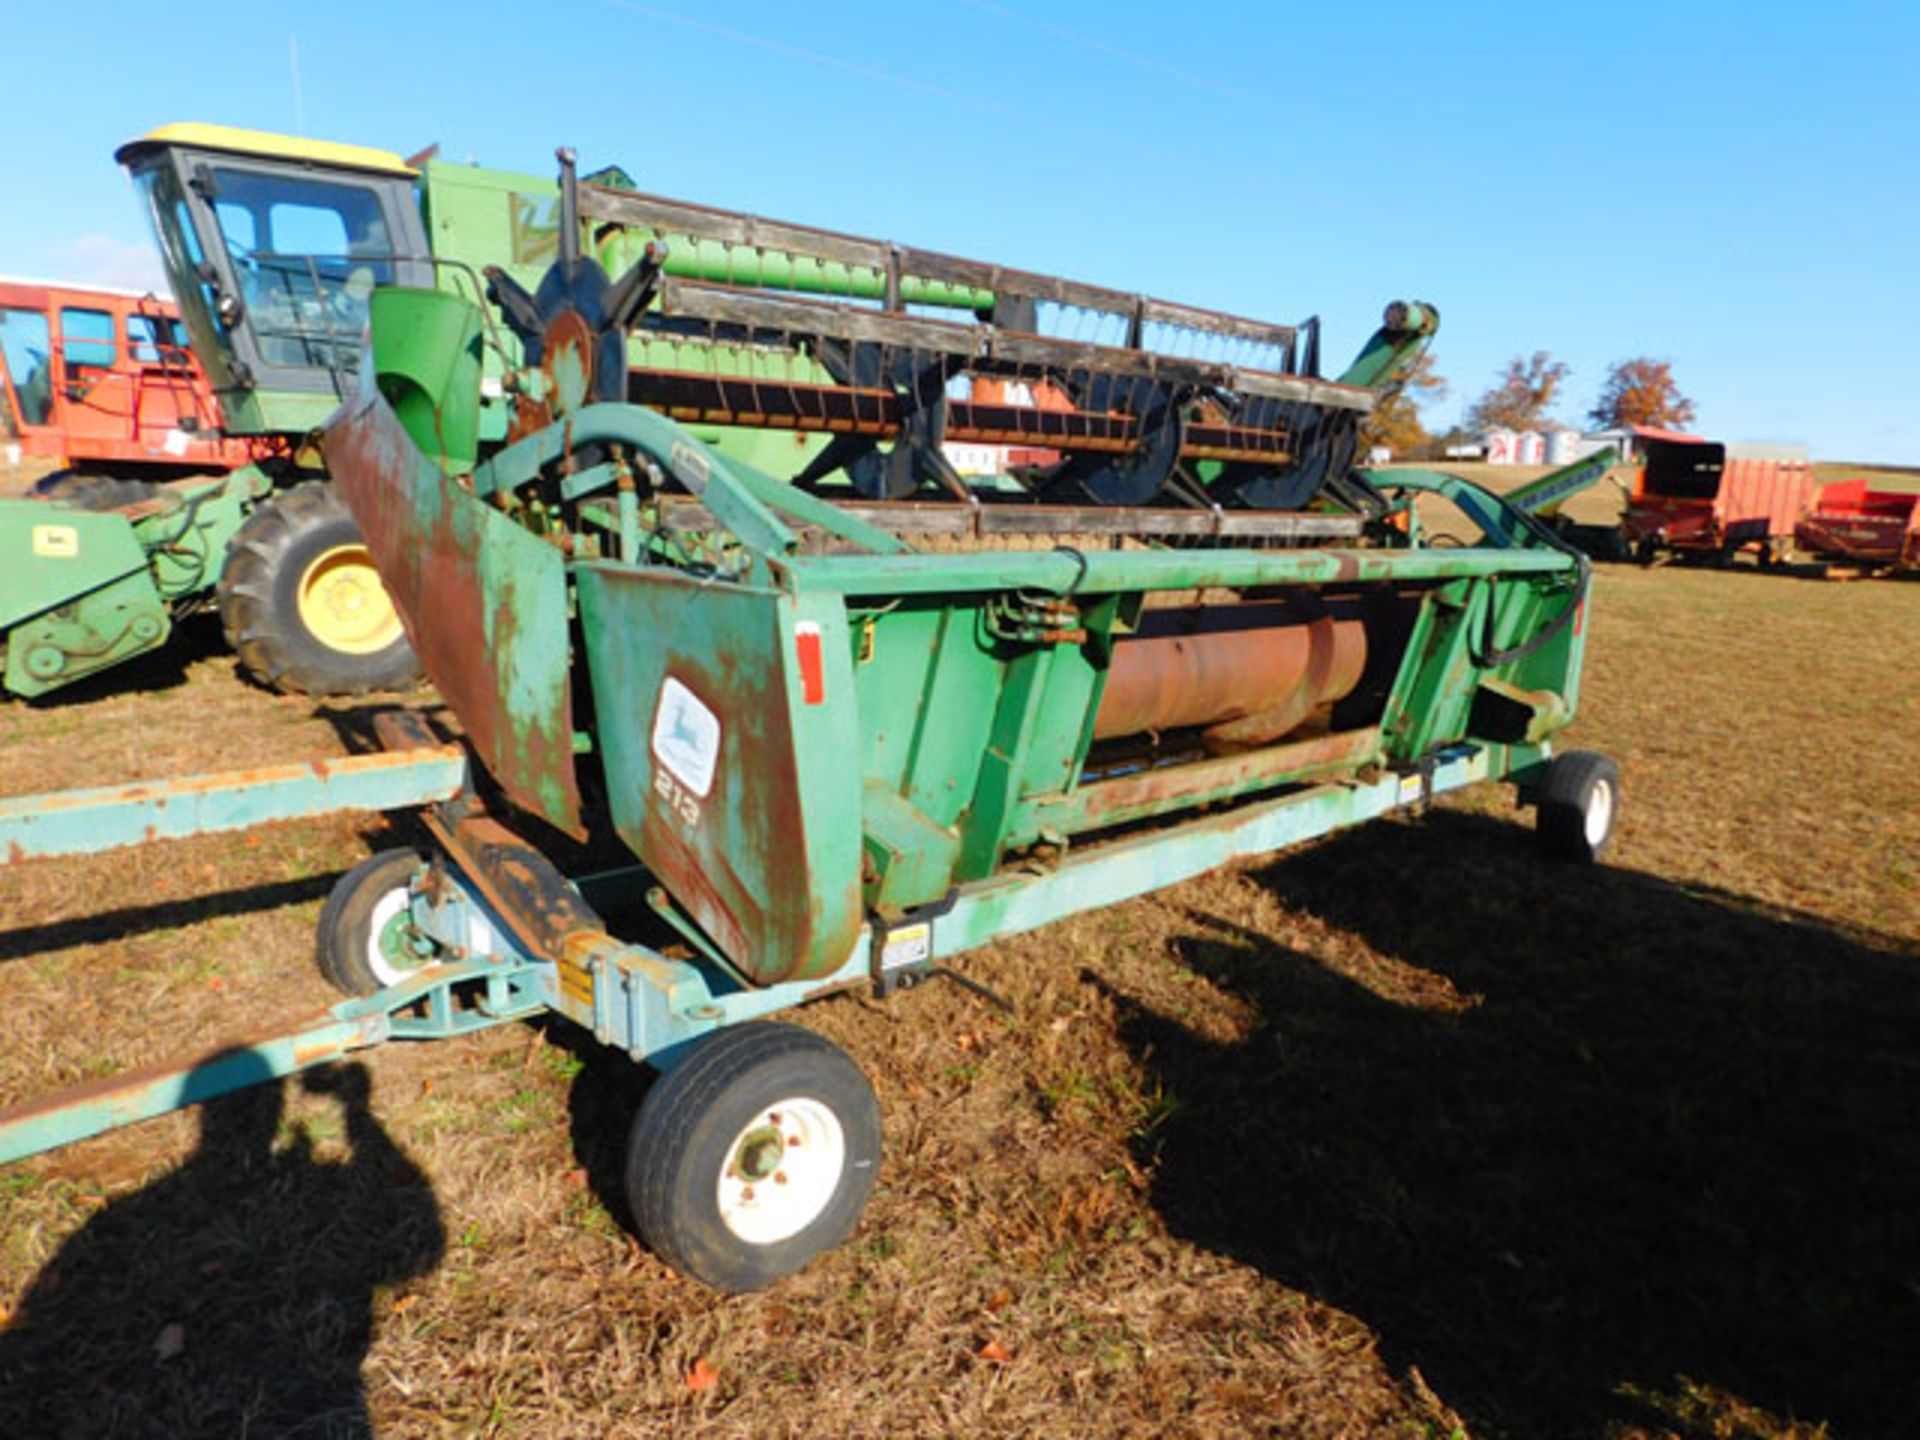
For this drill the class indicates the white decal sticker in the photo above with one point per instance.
(909, 945)
(56, 542)
(176, 442)
(676, 798)
(1409, 789)
(689, 464)
(686, 737)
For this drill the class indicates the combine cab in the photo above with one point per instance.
(1855, 524)
(1703, 498)
(101, 383)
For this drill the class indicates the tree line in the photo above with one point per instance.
(1637, 391)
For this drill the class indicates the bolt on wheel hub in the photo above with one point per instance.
(781, 1171)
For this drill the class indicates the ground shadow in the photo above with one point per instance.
(605, 1097)
(1667, 1139)
(233, 1296)
(103, 927)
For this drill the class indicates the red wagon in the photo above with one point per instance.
(1856, 524)
(1705, 497)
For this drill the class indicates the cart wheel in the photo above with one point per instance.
(753, 1155)
(302, 604)
(1577, 805)
(365, 941)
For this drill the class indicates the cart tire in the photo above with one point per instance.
(1577, 805)
(91, 492)
(752, 1155)
(302, 605)
(361, 942)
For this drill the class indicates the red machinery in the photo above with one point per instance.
(100, 381)
(1856, 524)
(1704, 497)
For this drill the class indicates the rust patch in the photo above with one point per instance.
(1110, 800)
(304, 1055)
(403, 730)
(439, 553)
(1259, 663)
(544, 911)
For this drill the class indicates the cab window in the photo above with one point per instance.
(156, 340)
(305, 254)
(27, 349)
(86, 338)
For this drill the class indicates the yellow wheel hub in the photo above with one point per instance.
(343, 604)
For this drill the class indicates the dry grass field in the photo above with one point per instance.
(1400, 1134)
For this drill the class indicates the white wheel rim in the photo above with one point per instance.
(387, 909)
(781, 1170)
(1599, 814)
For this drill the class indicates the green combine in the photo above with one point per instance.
(848, 712)
(272, 246)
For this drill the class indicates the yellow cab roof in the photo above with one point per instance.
(264, 143)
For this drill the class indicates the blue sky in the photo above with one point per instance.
(1729, 187)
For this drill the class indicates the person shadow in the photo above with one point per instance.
(1595, 1153)
(233, 1296)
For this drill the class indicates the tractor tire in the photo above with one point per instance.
(752, 1155)
(91, 492)
(302, 605)
(1577, 805)
(362, 943)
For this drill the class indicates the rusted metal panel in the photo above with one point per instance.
(723, 776)
(484, 602)
(545, 912)
(1160, 789)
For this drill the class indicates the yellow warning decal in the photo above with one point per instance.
(576, 981)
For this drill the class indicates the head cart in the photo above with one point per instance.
(853, 721)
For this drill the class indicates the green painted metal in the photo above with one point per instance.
(121, 1100)
(764, 850)
(85, 822)
(430, 367)
(1546, 495)
(1126, 868)
(83, 590)
(76, 595)
(960, 721)
(423, 1006)
(831, 753)
(1404, 334)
